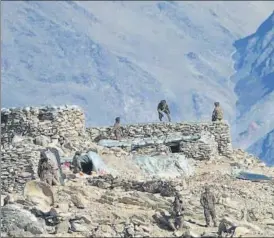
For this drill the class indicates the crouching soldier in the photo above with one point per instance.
(76, 163)
(178, 211)
(226, 228)
(217, 114)
(46, 171)
(176, 220)
(208, 203)
(163, 108)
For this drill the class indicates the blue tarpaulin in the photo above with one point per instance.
(252, 176)
(97, 162)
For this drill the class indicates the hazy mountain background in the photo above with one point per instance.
(120, 58)
(254, 78)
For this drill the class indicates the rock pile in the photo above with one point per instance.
(126, 205)
(165, 188)
(114, 207)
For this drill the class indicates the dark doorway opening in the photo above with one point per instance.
(175, 148)
(87, 167)
(4, 119)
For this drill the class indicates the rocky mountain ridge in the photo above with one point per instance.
(131, 201)
(89, 208)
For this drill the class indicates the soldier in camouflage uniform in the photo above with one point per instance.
(178, 211)
(217, 114)
(163, 108)
(46, 171)
(226, 228)
(175, 221)
(208, 203)
(76, 164)
(117, 129)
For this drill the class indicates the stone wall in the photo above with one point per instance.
(25, 131)
(18, 165)
(56, 123)
(218, 133)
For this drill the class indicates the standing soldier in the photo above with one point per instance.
(217, 114)
(117, 129)
(208, 202)
(163, 108)
(46, 171)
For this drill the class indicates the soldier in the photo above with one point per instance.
(217, 114)
(163, 108)
(46, 171)
(175, 220)
(178, 211)
(76, 163)
(117, 129)
(208, 202)
(226, 228)
(7, 200)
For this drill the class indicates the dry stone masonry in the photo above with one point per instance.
(38, 126)
(25, 131)
(56, 123)
(215, 137)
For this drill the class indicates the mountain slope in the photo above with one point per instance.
(254, 78)
(121, 58)
(264, 148)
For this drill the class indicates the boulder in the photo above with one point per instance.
(78, 200)
(40, 194)
(16, 220)
(42, 140)
(241, 231)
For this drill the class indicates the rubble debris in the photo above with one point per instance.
(164, 188)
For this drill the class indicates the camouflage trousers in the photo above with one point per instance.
(49, 178)
(210, 213)
(161, 115)
(118, 134)
(176, 223)
(224, 230)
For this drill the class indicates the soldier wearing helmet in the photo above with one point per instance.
(76, 163)
(175, 221)
(208, 202)
(163, 109)
(117, 129)
(46, 171)
(178, 209)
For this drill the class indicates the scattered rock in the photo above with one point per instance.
(42, 140)
(78, 200)
(241, 231)
(62, 227)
